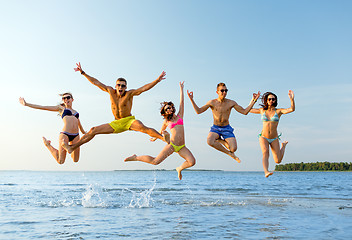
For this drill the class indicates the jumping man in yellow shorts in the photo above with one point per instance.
(121, 105)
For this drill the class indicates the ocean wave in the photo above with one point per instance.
(21, 222)
(227, 189)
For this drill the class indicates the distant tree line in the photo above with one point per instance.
(318, 166)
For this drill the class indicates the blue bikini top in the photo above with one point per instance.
(274, 118)
(68, 112)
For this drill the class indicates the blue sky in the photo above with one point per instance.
(250, 45)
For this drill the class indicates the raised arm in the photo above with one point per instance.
(35, 106)
(198, 110)
(255, 110)
(245, 111)
(148, 86)
(93, 80)
(182, 101)
(291, 95)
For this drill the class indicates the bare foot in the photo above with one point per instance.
(268, 174)
(178, 169)
(46, 142)
(131, 158)
(166, 137)
(283, 144)
(67, 147)
(235, 157)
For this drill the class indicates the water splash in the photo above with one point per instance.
(94, 197)
(60, 203)
(142, 199)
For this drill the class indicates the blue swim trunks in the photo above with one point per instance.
(223, 131)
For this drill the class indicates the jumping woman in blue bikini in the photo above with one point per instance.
(70, 131)
(269, 135)
(177, 141)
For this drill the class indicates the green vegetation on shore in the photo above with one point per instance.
(318, 166)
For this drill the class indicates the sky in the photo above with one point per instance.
(252, 46)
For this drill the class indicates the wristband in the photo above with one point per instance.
(82, 72)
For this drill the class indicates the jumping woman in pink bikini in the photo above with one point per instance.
(269, 135)
(177, 141)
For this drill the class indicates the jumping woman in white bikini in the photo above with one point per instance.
(70, 132)
(177, 141)
(269, 135)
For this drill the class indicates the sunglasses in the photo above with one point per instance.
(67, 97)
(121, 85)
(224, 90)
(272, 99)
(167, 108)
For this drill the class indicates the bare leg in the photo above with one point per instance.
(75, 154)
(229, 143)
(190, 160)
(278, 154)
(52, 150)
(167, 151)
(264, 145)
(102, 129)
(232, 146)
(282, 150)
(212, 141)
(140, 127)
(59, 155)
(224, 143)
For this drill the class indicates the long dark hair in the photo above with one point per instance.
(265, 100)
(163, 113)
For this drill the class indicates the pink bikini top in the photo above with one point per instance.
(179, 122)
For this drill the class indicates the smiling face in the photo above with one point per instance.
(222, 91)
(67, 99)
(121, 85)
(168, 110)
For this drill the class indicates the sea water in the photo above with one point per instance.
(156, 205)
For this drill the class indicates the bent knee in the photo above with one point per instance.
(277, 160)
(61, 161)
(210, 141)
(233, 149)
(92, 131)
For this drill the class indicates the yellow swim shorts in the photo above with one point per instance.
(122, 124)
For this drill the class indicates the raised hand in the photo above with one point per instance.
(190, 94)
(182, 84)
(162, 76)
(291, 95)
(22, 101)
(78, 68)
(256, 96)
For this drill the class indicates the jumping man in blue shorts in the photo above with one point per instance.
(221, 135)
